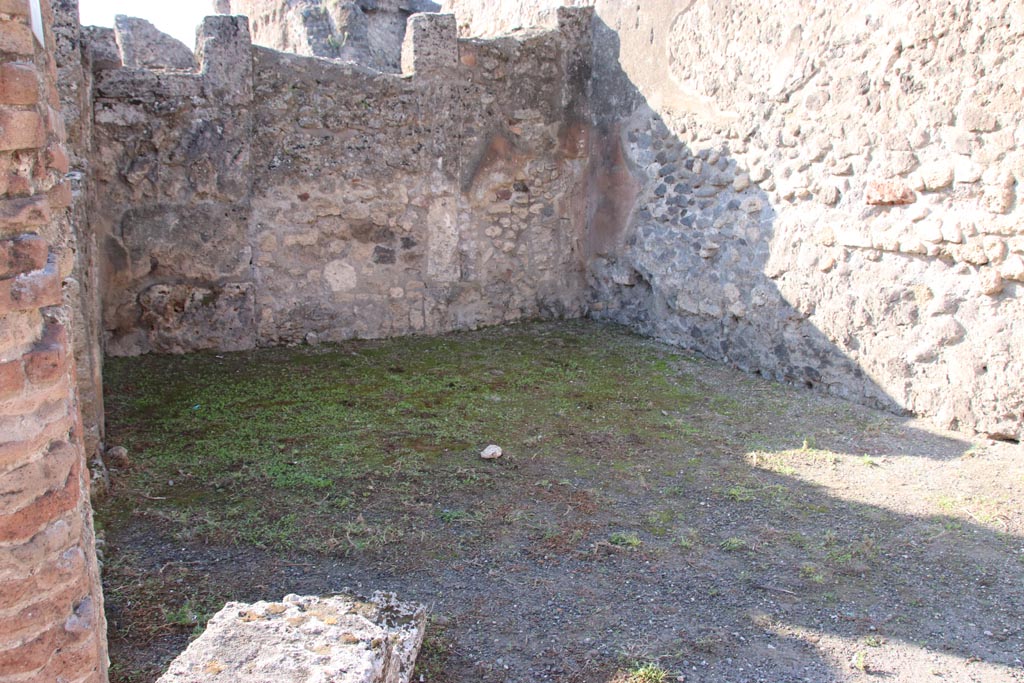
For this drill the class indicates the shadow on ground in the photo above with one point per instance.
(651, 508)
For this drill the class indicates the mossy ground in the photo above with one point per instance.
(649, 507)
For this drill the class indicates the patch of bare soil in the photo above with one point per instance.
(654, 517)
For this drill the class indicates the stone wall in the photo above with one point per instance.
(369, 32)
(50, 602)
(272, 198)
(824, 196)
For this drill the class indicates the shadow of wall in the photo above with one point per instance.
(814, 200)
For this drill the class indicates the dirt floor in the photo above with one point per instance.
(655, 517)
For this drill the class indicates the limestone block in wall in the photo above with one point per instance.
(301, 639)
(442, 258)
(144, 46)
(431, 44)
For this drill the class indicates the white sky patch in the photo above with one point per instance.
(179, 18)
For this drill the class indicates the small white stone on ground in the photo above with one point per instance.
(491, 452)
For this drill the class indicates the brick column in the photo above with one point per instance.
(51, 609)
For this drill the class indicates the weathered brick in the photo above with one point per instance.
(55, 572)
(18, 8)
(24, 659)
(46, 612)
(60, 196)
(16, 37)
(31, 411)
(25, 523)
(13, 453)
(21, 129)
(48, 360)
(25, 559)
(20, 487)
(22, 254)
(32, 290)
(25, 212)
(17, 185)
(55, 120)
(19, 84)
(12, 379)
(79, 664)
(19, 331)
(57, 158)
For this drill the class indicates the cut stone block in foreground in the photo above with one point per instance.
(303, 639)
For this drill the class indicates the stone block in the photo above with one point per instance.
(224, 52)
(300, 639)
(144, 46)
(19, 84)
(990, 282)
(431, 45)
(937, 176)
(978, 120)
(101, 47)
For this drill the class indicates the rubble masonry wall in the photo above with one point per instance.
(271, 198)
(826, 196)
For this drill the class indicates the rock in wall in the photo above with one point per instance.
(287, 197)
(827, 195)
(51, 607)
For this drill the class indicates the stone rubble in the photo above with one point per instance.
(306, 639)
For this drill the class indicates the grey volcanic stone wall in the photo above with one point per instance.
(369, 32)
(825, 196)
(274, 198)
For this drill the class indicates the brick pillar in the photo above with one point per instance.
(51, 609)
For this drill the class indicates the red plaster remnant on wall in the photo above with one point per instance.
(51, 609)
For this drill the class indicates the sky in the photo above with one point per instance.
(176, 17)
